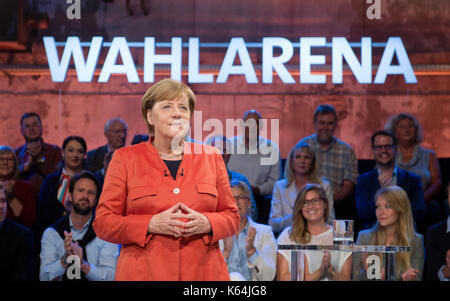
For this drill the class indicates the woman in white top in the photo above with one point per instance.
(300, 169)
(309, 227)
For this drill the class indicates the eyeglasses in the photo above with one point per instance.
(314, 202)
(388, 147)
(241, 197)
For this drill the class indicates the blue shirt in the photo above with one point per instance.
(394, 174)
(238, 260)
(101, 255)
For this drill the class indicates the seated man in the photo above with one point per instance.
(437, 244)
(37, 159)
(258, 159)
(73, 235)
(387, 173)
(16, 246)
(116, 134)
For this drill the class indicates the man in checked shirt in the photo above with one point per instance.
(337, 160)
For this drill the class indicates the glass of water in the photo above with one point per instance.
(343, 232)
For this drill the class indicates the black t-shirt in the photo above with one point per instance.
(173, 167)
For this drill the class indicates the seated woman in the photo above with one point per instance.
(394, 226)
(300, 169)
(309, 226)
(422, 161)
(251, 253)
(20, 194)
(53, 198)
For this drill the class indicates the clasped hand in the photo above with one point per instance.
(168, 222)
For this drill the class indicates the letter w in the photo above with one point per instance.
(84, 69)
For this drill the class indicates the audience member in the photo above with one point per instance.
(258, 159)
(387, 173)
(422, 161)
(37, 159)
(20, 195)
(73, 235)
(116, 135)
(309, 227)
(53, 200)
(138, 138)
(16, 246)
(100, 174)
(394, 227)
(301, 169)
(251, 252)
(437, 243)
(224, 145)
(337, 160)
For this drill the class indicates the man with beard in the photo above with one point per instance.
(336, 159)
(70, 249)
(116, 135)
(387, 173)
(37, 159)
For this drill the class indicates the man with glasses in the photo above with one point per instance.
(37, 159)
(116, 135)
(387, 173)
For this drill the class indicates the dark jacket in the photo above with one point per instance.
(95, 158)
(367, 185)
(437, 243)
(16, 252)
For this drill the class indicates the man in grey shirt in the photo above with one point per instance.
(258, 159)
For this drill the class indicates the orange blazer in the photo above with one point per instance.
(138, 185)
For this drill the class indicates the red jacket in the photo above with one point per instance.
(138, 185)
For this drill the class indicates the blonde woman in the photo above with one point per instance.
(301, 168)
(394, 227)
(309, 227)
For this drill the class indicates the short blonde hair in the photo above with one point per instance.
(289, 173)
(393, 121)
(166, 89)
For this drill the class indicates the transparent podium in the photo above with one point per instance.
(387, 251)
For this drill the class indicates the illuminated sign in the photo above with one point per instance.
(341, 50)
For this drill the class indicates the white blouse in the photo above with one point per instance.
(314, 258)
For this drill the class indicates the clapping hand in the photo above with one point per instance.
(410, 274)
(385, 179)
(326, 262)
(249, 242)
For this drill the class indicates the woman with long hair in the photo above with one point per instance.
(394, 227)
(300, 169)
(309, 226)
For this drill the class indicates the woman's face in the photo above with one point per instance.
(73, 154)
(243, 202)
(313, 209)
(405, 130)
(386, 216)
(302, 161)
(170, 118)
(6, 165)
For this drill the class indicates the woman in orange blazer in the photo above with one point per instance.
(167, 201)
